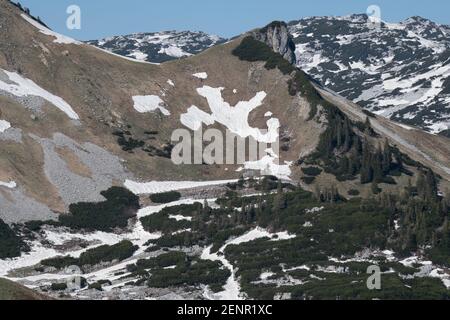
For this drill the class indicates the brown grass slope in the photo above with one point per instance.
(12, 291)
(99, 86)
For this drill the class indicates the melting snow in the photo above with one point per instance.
(151, 103)
(138, 55)
(235, 119)
(201, 75)
(165, 186)
(4, 125)
(59, 38)
(194, 117)
(174, 51)
(179, 217)
(9, 185)
(269, 165)
(232, 287)
(170, 82)
(26, 87)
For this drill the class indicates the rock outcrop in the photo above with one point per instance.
(276, 35)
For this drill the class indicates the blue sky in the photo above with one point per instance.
(226, 18)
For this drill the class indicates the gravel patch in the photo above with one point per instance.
(104, 167)
(16, 207)
(32, 103)
(12, 134)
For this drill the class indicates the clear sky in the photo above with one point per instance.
(101, 18)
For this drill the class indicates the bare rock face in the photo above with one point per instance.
(276, 35)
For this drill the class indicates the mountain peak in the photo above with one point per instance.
(276, 35)
(417, 19)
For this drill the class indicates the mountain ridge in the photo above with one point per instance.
(422, 103)
(86, 159)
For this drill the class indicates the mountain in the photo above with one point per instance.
(90, 186)
(400, 70)
(159, 47)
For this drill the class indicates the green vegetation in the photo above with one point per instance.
(60, 262)
(445, 133)
(127, 142)
(58, 286)
(99, 285)
(165, 197)
(402, 222)
(105, 253)
(253, 50)
(162, 222)
(308, 180)
(353, 192)
(36, 225)
(312, 171)
(176, 268)
(120, 205)
(119, 252)
(11, 245)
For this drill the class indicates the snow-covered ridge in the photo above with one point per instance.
(159, 46)
(400, 71)
(59, 38)
(20, 87)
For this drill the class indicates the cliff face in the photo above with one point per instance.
(277, 36)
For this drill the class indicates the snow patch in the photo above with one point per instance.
(174, 51)
(26, 87)
(165, 186)
(194, 117)
(201, 75)
(4, 125)
(9, 185)
(150, 103)
(138, 55)
(179, 217)
(232, 287)
(59, 38)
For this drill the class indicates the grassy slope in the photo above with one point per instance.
(12, 291)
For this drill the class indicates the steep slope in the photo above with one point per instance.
(406, 80)
(159, 47)
(56, 92)
(81, 126)
(12, 291)
(400, 71)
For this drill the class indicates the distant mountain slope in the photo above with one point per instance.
(159, 46)
(400, 71)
